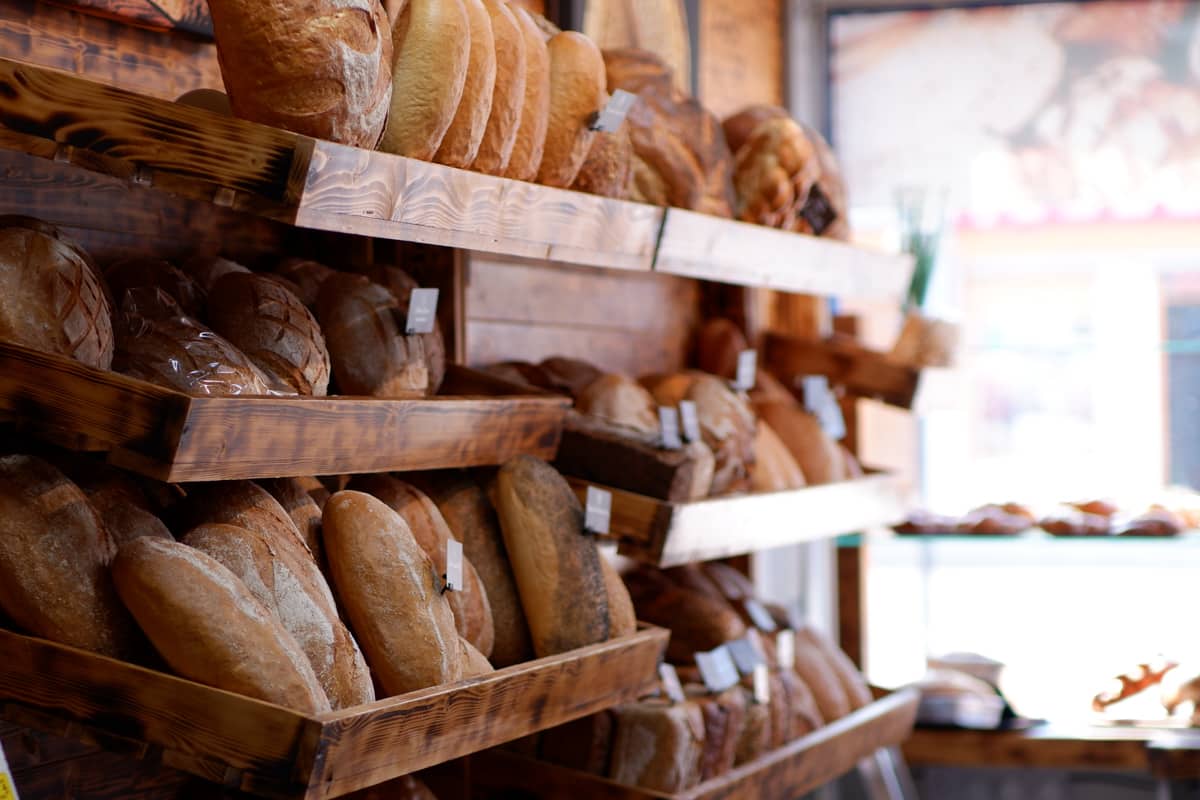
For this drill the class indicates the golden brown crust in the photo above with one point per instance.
(460, 145)
(530, 143)
(620, 604)
(474, 662)
(774, 470)
(740, 126)
(819, 457)
(293, 496)
(241, 503)
(621, 401)
(576, 93)
(430, 347)
(608, 168)
(500, 137)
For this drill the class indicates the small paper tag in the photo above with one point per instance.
(747, 370)
(422, 311)
(759, 615)
(745, 655)
(689, 418)
(762, 685)
(612, 116)
(817, 211)
(668, 423)
(717, 669)
(822, 403)
(8, 787)
(785, 649)
(454, 566)
(670, 682)
(598, 515)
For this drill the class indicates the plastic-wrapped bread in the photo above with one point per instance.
(658, 745)
(460, 145)
(135, 273)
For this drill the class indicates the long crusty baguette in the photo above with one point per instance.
(391, 593)
(432, 42)
(287, 581)
(556, 565)
(500, 135)
(530, 143)
(577, 90)
(209, 627)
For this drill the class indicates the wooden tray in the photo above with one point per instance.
(171, 436)
(786, 773)
(863, 372)
(668, 534)
(325, 186)
(264, 749)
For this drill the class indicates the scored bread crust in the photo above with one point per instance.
(461, 142)
(577, 80)
(500, 136)
(530, 143)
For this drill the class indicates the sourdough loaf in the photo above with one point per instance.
(658, 746)
(526, 157)
(51, 230)
(138, 273)
(620, 401)
(460, 145)
(622, 617)
(293, 496)
(608, 168)
(697, 622)
(209, 627)
(576, 93)
(500, 136)
(474, 662)
(241, 503)
(125, 520)
(429, 347)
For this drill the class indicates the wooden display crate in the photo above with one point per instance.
(788, 772)
(172, 436)
(863, 372)
(669, 534)
(264, 749)
(325, 186)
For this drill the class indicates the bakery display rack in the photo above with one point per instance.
(320, 185)
(790, 771)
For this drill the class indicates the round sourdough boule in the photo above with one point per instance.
(557, 566)
(432, 42)
(51, 230)
(500, 136)
(54, 560)
(461, 143)
(51, 300)
(317, 67)
(527, 151)
(209, 627)
(391, 594)
(577, 81)
(287, 581)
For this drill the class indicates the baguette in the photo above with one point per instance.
(577, 81)
(530, 143)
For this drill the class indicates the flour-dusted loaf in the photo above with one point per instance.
(557, 566)
(125, 520)
(658, 745)
(209, 627)
(429, 347)
(180, 353)
(241, 503)
(51, 300)
(317, 67)
(530, 142)
(432, 42)
(508, 96)
(391, 595)
(576, 93)
(294, 496)
(472, 612)
(54, 559)
(273, 328)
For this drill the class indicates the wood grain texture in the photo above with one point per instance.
(699, 246)
(740, 59)
(670, 534)
(790, 771)
(863, 372)
(187, 16)
(1079, 747)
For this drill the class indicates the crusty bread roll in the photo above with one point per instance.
(774, 470)
(140, 273)
(608, 168)
(556, 565)
(460, 145)
(530, 142)
(620, 401)
(286, 580)
(293, 496)
(500, 135)
(391, 594)
(432, 41)
(576, 93)
(429, 347)
(474, 662)
(54, 559)
(620, 604)
(241, 503)
(658, 746)
(209, 627)
(819, 457)
(472, 613)
(465, 507)
(180, 353)
(51, 300)
(322, 69)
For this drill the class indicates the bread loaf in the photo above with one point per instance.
(391, 595)
(623, 619)
(294, 498)
(608, 168)
(801, 433)
(739, 127)
(774, 172)
(474, 662)
(54, 559)
(472, 520)
(180, 353)
(207, 271)
(774, 470)
(273, 328)
(724, 715)
(307, 276)
(321, 69)
(137, 273)
(576, 93)
(658, 746)
(583, 744)
(694, 578)
(852, 681)
(124, 520)
(530, 141)
(53, 231)
(469, 603)
(620, 401)
(754, 739)
(430, 347)
(460, 145)
(718, 345)
(697, 622)
(817, 673)
(432, 42)
(51, 300)
(241, 503)
(208, 626)
(557, 567)
(500, 135)
(286, 580)
(569, 375)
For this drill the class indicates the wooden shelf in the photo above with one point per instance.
(171, 436)
(788, 772)
(863, 372)
(668, 534)
(317, 184)
(263, 749)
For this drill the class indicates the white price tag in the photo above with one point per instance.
(8, 787)
(689, 418)
(668, 424)
(670, 682)
(822, 403)
(762, 685)
(717, 669)
(745, 655)
(422, 311)
(785, 649)
(612, 116)
(759, 615)
(598, 514)
(454, 566)
(747, 370)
